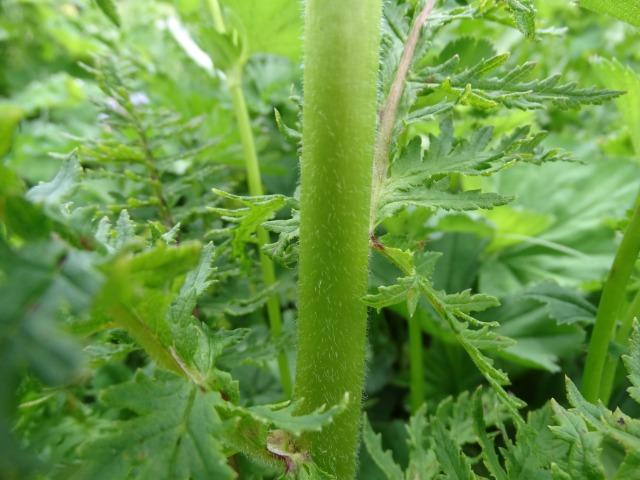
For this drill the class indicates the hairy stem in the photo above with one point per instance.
(389, 111)
(341, 50)
(610, 309)
(252, 167)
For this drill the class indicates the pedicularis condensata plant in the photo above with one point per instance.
(151, 314)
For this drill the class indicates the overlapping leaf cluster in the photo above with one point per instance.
(554, 443)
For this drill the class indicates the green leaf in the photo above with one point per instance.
(511, 89)
(491, 459)
(245, 220)
(630, 467)
(454, 315)
(108, 7)
(270, 27)
(283, 416)
(628, 10)
(383, 459)
(452, 461)
(524, 14)
(422, 461)
(584, 446)
(62, 186)
(632, 362)
(564, 305)
(10, 116)
(173, 435)
(540, 341)
(416, 176)
(616, 425)
(614, 73)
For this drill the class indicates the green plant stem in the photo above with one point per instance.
(254, 180)
(622, 338)
(216, 14)
(609, 309)
(416, 365)
(341, 50)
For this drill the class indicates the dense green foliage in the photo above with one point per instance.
(146, 333)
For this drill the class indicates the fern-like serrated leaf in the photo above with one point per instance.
(247, 219)
(422, 460)
(416, 175)
(632, 362)
(616, 425)
(285, 250)
(434, 197)
(382, 458)
(511, 89)
(524, 15)
(583, 458)
(452, 461)
(173, 435)
(453, 309)
(491, 459)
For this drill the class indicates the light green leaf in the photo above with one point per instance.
(632, 362)
(174, 434)
(62, 186)
(615, 74)
(540, 341)
(565, 305)
(584, 446)
(383, 458)
(246, 219)
(630, 467)
(625, 10)
(616, 425)
(452, 461)
(270, 27)
(108, 7)
(283, 416)
(422, 461)
(489, 455)
(10, 116)
(524, 14)
(511, 89)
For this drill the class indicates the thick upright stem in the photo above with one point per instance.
(609, 310)
(254, 180)
(342, 40)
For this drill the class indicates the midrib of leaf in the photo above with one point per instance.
(185, 429)
(135, 324)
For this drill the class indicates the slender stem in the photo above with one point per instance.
(416, 365)
(389, 111)
(252, 167)
(622, 338)
(216, 14)
(341, 50)
(609, 310)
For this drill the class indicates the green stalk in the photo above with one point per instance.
(622, 338)
(416, 365)
(252, 167)
(342, 41)
(609, 310)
